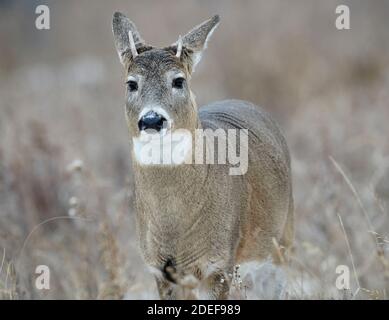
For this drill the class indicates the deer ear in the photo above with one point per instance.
(195, 41)
(126, 36)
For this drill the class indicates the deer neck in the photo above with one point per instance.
(173, 187)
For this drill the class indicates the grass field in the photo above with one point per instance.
(66, 193)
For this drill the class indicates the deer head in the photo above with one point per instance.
(158, 94)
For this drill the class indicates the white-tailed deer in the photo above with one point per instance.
(196, 221)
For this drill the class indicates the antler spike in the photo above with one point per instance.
(179, 47)
(134, 52)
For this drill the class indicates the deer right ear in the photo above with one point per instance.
(126, 36)
(196, 40)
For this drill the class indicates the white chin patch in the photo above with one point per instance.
(166, 147)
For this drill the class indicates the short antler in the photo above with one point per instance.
(132, 45)
(179, 47)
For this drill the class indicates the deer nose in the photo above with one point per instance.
(151, 120)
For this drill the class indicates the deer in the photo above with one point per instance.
(196, 222)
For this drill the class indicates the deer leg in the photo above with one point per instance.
(166, 289)
(217, 286)
(170, 291)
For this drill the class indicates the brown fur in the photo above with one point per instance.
(195, 222)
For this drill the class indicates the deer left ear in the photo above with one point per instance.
(191, 46)
(126, 36)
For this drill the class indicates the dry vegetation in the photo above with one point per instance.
(66, 198)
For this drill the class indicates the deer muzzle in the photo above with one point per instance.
(152, 121)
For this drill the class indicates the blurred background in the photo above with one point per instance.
(66, 194)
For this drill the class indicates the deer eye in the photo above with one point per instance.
(132, 85)
(178, 83)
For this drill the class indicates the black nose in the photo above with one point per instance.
(151, 120)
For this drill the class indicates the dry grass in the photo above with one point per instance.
(66, 197)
